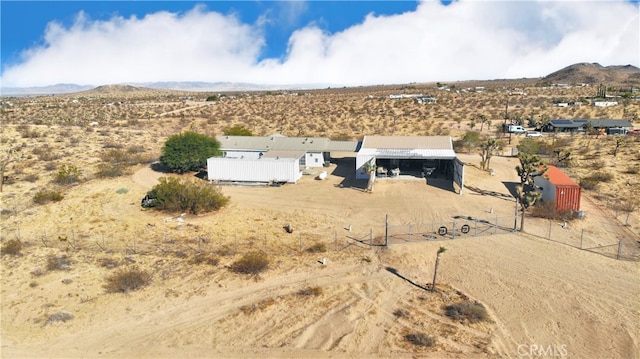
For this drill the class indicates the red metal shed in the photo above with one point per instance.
(558, 188)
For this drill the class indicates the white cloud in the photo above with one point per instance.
(466, 40)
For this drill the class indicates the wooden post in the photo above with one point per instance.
(386, 230)
(619, 249)
(581, 238)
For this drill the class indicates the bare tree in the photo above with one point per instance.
(620, 141)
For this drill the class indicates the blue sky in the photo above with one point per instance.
(308, 42)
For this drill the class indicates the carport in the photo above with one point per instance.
(416, 156)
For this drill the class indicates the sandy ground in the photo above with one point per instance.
(539, 294)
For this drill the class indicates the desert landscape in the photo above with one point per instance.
(331, 288)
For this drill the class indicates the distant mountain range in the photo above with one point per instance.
(578, 73)
(128, 87)
(595, 74)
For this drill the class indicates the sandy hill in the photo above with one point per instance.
(595, 73)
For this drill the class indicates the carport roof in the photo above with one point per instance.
(408, 142)
(408, 147)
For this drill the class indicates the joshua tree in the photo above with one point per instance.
(530, 167)
(482, 118)
(486, 152)
(8, 155)
(435, 270)
(620, 141)
(370, 168)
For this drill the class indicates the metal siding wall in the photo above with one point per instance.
(228, 169)
(310, 159)
(361, 160)
(568, 198)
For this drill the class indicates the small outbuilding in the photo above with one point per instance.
(276, 167)
(417, 156)
(560, 189)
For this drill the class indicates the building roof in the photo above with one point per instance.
(283, 154)
(558, 178)
(408, 147)
(279, 142)
(408, 142)
(575, 123)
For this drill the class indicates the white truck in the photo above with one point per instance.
(516, 129)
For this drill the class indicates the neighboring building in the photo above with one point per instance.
(418, 156)
(579, 125)
(425, 99)
(272, 158)
(605, 103)
(558, 188)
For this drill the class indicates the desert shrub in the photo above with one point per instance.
(401, 313)
(173, 195)
(108, 170)
(44, 196)
(598, 164)
(61, 316)
(59, 262)
(188, 151)
(545, 209)
(32, 177)
(237, 131)
(588, 183)
(204, 258)
(50, 166)
(46, 153)
(420, 339)
(529, 146)
(127, 280)
(602, 176)
(473, 312)
(67, 174)
(11, 247)
(310, 291)
(634, 170)
(108, 263)
(251, 263)
(317, 248)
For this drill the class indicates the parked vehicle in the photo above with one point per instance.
(149, 200)
(533, 134)
(633, 133)
(516, 129)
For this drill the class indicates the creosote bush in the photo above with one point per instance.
(251, 263)
(473, 312)
(317, 248)
(127, 280)
(59, 261)
(67, 174)
(420, 339)
(194, 197)
(11, 247)
(44, 196)
(204, 258)
(310, 291)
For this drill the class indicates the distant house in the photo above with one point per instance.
(559, 189)
(579, 125)
(605, 103)
(425, 99)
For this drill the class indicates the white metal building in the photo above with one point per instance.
(267, 168)
(421, 156)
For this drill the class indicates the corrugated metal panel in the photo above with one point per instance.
(558, 178)
(408, 142)
(254, 170)
(342, 146)
(435, 154)
(568, 198)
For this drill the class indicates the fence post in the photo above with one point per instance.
(453, 232)
(370, 237)
(581, 238)
(619, 249)
(300, 242)
(265, 243)
(495, 228)
(335, 239)
(410, 233)
(475, 229)
(549, 236)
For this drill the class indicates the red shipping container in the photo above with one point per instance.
(558, 188)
